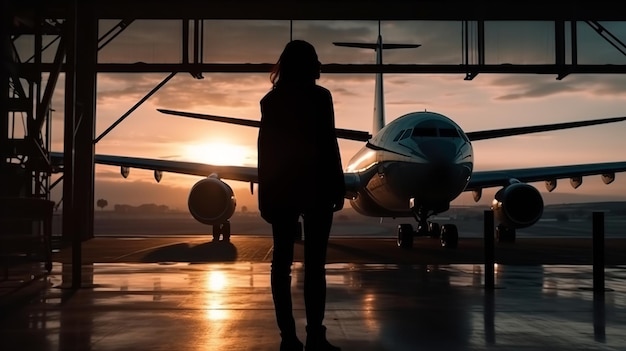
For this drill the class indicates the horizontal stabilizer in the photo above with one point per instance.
(374, 46)
(499, 133)
(348, 134)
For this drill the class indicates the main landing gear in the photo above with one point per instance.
(447, 233)
(222, 229)
(505, 234)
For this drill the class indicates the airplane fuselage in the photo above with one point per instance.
(421, 156)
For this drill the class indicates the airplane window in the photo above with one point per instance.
(424, 132)
(449, 133)
(399, 135)
(407, 133)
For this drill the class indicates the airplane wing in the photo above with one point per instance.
(357, 135)
(349, 134)
(240, 173)
(499, 133)
(487, 179)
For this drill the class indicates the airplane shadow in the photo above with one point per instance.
(213, 251)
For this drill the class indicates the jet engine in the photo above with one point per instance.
(517, 205)
(211, 201)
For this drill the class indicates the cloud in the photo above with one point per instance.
(520, 88)
(182, 91)
(516, 87)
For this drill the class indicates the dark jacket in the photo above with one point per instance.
(299, 163)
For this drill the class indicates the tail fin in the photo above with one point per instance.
(379, 103)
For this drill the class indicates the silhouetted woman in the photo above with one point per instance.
(300, 174)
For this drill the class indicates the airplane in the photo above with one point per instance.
(414, 166)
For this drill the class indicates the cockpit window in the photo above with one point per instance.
(399, 135)
(407, 133)
(424, 132)
(449, 133)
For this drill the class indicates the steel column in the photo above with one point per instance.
(4, 82)
(488, 242)
(86, 58)
(69, 125)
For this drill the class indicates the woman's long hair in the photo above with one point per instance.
(298, 64)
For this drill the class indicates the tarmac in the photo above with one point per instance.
(188, 293)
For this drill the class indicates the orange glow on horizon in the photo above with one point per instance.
(220, 153)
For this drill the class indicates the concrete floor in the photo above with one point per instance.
(227, 306)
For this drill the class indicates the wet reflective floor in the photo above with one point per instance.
(228, 306)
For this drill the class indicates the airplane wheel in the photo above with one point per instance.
(449, 236)
(434, 230)
(217, 230)
(225, 231)
(298, 234)
(405, 236)
(505, 234)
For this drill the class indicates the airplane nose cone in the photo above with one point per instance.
(445, 172)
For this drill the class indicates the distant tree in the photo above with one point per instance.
(102, 203)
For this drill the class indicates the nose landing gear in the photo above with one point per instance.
(448, 234)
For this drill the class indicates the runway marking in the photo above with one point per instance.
(266, 257)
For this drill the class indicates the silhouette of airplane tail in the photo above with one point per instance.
(379, 101)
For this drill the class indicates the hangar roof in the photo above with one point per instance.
(338, 9)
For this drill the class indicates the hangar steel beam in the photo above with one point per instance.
(5, 80)
(599, 10)
(559, 47)
(473, 48)
(351, 68)
(69, 130)
(608, 36)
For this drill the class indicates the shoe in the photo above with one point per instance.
(316, 340)
(291, 344)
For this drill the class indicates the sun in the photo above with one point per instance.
(220, 153)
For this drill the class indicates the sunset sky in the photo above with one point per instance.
(487, 102)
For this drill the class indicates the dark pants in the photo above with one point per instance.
(317, 226)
